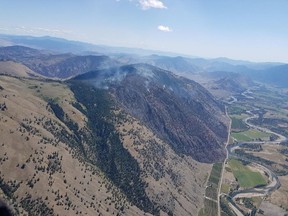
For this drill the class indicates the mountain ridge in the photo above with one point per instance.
(135, 88)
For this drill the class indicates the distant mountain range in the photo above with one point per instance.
(61, 45)
(56, 57)
(276, 75)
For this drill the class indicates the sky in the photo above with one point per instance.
(255, 30)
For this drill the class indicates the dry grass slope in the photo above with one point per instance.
(40, 174)
(16, 69)
(173, 182)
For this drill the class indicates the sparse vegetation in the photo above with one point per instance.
(36, 206)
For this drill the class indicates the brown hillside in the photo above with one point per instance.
(39, 174)
(16, 69)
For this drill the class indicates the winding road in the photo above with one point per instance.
(274, 182)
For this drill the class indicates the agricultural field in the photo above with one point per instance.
(238, 125)
(244, 175)
(237, 109)
(211, 193)
(273, 153)
(215, 173)
(213, 181)
(239, 116)
(251, 135)
(210, 209)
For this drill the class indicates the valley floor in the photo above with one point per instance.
(256, 174)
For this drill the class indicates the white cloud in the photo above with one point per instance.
(164, 28)
(147, 4)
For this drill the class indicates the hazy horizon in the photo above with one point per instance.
(253, 31)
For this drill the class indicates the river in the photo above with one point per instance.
(274, 182)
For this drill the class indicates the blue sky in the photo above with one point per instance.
(254, 30)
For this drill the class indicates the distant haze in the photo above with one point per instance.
(249, 30)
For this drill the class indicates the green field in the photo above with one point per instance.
(250, 135)
(245, 176)
(238, 124)
(236, 110)
(239, 116)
